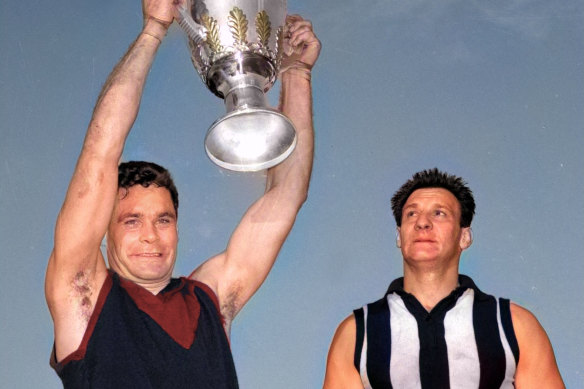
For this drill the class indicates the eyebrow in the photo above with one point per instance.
(411, 205)
(433, 205)
(129, 214)
(140, 215)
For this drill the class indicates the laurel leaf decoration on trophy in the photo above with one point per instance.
(237, 22)
(212, 33)
(263, 27)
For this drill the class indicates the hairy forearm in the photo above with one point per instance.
(91, 193)
(296, 104)
(118, 103)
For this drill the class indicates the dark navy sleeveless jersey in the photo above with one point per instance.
(466, 341)
(135, 339)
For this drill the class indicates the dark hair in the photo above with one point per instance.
(146, 173)
(434, 178)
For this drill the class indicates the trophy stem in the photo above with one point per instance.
(249, 96)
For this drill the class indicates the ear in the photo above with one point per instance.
(397, 238)
(466, 238)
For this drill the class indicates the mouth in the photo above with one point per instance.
(424, 241)
(148, 255)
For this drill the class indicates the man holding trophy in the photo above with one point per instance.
(133, 325)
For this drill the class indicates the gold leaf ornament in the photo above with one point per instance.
(212, 33)
(237, 22)
(263, 27)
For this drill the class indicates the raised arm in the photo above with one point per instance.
(239, 271)
(76, 269)
(537, 366)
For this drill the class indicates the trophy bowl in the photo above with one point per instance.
(236, 47)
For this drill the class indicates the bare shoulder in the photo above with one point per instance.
(537, 365)
(207, 271)
(346, 331)
(523, 316)
(530, 334)
(340, 370)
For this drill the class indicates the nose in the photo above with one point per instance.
(148, 233)
(423, 223)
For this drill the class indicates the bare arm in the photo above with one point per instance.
(537, 366)
(76, 269)
(340, 370)
(238, 272)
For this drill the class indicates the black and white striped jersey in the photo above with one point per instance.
(466, 341)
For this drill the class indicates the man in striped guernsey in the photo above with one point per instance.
(434, 328)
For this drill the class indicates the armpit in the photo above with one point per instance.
(231, 303)
(80, 295)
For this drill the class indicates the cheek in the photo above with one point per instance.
(125, 238)
(169, 236)
(452, 238)
(404, 234)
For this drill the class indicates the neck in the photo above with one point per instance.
(154, 287)
(429, 287)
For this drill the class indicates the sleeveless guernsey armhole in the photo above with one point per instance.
(507, 323)
(209, 292)
(377, 322)
(79, 354)
(359, 335)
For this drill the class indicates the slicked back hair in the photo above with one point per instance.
(435, 178)
(145, 174)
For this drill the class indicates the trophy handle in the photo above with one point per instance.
(193, 30)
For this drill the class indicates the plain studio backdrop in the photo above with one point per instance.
(492, 91)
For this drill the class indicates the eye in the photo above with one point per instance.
(410, 213)
(439, 212)
(131, 223)
(165, 221)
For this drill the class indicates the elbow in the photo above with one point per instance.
(286, 197)
(295, 191)
(299, 196)
(302, 196)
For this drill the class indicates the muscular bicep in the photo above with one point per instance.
(237, 273)
(340, 370)
(537, 365)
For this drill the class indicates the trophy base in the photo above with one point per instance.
(250, 139)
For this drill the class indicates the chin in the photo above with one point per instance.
(154, 275)
(422, 258)
(423, 255)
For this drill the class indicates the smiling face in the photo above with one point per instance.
(142, 236)
(430, 233)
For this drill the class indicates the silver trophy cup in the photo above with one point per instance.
(236, 47)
